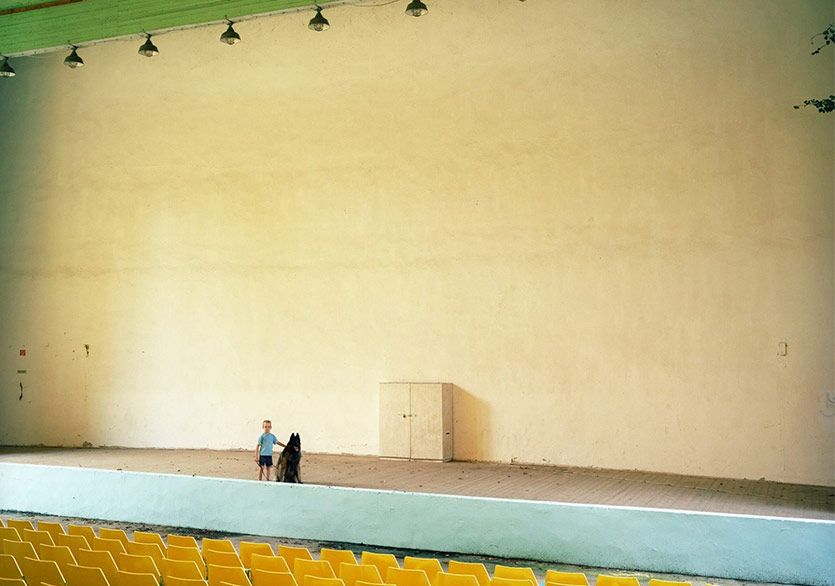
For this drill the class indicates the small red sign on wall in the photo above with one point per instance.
(23, 351)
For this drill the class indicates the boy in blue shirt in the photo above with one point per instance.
(264, 450)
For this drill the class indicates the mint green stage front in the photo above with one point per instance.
(763, 549)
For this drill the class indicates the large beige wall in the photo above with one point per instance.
(597, 219)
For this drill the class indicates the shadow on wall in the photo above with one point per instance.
(32, 101)
(472, 424)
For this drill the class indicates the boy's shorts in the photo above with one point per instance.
(265, 460)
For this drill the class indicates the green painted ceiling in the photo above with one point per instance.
(31, 26)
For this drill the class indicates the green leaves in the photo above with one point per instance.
(824, 106)
(828, 36)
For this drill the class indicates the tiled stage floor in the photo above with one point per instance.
(513, 481)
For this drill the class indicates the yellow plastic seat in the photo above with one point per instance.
(218, 545)
(177, 552)
(40, 571)
(247, 548)
(476, 569)
(291, 554)
(383, 561)
(311, 580)
(85, 576)
(572, 578)
(445, 579)
(60, 554)
(100, 559)
(36, 538)
(406, 577)
(186, 569)
(352, 573)
(150, 537)
(182, 541)
(118, 534)
(20, 524)
(138, 564)
(20, 550)
(51, 527)
(335, 557)
(607, 580)
(133, 579)
(515, 573)
(432, 566)
(151, 550)
(9, 568)
(261, 577)
(270, 563)
(657, 582)
(74, 542)
(236, 576)
(222, 558)
(85, 531)
(114, 546)
(177, 581)
(363, 583)
(9, 533)
(501, 581)
(303, 567)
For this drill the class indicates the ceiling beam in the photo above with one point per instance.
(16, 9)
(42, 27)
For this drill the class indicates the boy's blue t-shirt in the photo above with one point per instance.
(266, 441)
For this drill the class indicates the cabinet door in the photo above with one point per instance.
(395, 420)
(427, 421)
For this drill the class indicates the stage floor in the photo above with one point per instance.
(511, 481)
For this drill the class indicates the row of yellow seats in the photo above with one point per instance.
(416, 577)
(183, 559)
(107, 553)
(54, 534)
(47, 573)
(76, 537)
(98, 569)
(418, 571)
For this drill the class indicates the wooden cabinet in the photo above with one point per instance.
(416, 421)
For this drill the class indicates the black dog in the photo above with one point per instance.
(288, 468)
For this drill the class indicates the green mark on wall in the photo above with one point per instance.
(21, 372)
